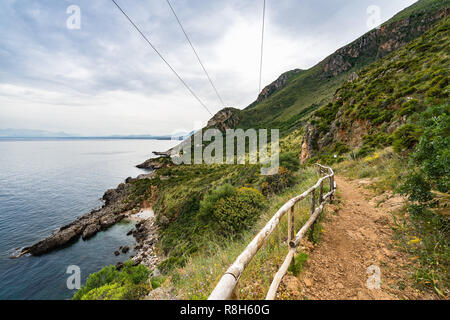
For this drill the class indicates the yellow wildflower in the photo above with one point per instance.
(414, 240)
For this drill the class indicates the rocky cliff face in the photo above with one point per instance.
(276, 85)
(380, 42)
(309, 144)
(227, 118)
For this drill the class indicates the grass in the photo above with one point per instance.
(288, 109)
(424, 235)
(298, 263)
(385, 167)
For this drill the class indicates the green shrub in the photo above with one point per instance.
(172, 262)
(438, 79)
(383, 116)
(327, 114)
(434, 92)
(341, 148)
(429, 170)
(378, 139)
(157, 281)
(112, 291)
(406, 137)
(110, 283)
(364, 151)
(297, 263)
(409, 107)
(405, 92)
(290, 161)
(432, 154)
(417, 188)
(238, 211)
(208, 204)
(278, 182)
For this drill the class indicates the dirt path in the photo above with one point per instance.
(356, 236)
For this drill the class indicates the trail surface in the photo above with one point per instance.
(357, 234)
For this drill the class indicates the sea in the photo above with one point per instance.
(47, 183)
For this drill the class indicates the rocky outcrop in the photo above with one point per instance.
(227, 118)
(153, 164)
(336, 64)
(90, 231)
(309, 144)
(379, 42)
(116, 205)
(276, 85)
(162, 153)
(351, 135)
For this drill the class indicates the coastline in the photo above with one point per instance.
(119, 204)
(65, 181)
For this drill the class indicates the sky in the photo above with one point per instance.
(103, 78)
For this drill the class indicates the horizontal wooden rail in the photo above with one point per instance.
(225, 288)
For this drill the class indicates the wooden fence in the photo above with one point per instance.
(226, 288)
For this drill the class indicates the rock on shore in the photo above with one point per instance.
(146, 235)
(152, 164)
(117, 203)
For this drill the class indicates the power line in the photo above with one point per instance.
(160, 55)
(262, 46)
(196, 54)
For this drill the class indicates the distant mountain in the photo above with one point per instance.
(28, 133)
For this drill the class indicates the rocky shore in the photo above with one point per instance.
(146, 235)
(118, 203)
(152, 164)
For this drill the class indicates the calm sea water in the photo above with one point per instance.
(45, 184)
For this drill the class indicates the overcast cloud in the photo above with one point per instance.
(104, 78)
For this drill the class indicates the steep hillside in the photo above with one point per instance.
(383, 102)
(284, 103)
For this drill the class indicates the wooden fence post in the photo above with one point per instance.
(235, 295)
(291, 230)
(321, 193)
(331, 188)
(313, 208)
